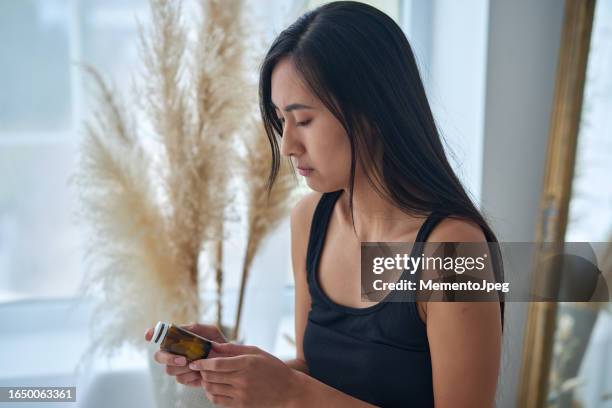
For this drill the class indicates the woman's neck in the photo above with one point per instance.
(376, 219)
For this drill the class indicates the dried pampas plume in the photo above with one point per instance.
(129, 251)
(152, 211)
(263, 212)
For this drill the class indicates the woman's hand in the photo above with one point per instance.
(241, 376)
(177, 365)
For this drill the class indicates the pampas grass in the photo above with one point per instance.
(129, 253)
(263, 212)
(151, 212)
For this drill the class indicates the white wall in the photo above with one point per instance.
(522, 52)
(457, 83)
(449, 41)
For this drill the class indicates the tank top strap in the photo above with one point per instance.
(427, 227)
(432, 220)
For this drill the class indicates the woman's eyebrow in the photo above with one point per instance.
(294, 106)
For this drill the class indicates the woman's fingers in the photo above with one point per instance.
(217, 377)
(148, 334)
(220, 363)
(175, 365)
(175, 370)
(218, 389)
(195, 383)
(164, 357)
(220, 400)
(188, 378)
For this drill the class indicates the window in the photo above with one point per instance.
(45, 98)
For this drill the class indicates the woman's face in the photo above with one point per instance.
(312, 136)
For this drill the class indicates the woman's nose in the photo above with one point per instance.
(289, 144)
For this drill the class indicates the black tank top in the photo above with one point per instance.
(378, 354)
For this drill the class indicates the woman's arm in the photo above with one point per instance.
(301, 219)
(464, 338)
(314, 393)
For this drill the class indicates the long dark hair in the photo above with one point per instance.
(359, 63)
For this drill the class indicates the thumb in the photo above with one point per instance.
(234, 349)
(148, 334)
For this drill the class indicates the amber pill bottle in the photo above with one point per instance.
(176, 340)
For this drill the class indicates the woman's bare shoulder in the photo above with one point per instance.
(303, 211)
(451, 230)
(457, 230)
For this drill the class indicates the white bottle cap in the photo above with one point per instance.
(161, 328)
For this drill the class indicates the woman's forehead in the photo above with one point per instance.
(288, 86)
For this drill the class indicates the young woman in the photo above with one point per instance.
(341, 92)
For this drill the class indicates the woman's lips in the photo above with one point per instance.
(305, 171)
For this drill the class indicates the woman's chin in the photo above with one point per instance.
(314, 185)
(319, 187)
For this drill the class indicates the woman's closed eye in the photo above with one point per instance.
(302, 124)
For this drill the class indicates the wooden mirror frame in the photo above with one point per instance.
(554, 203)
